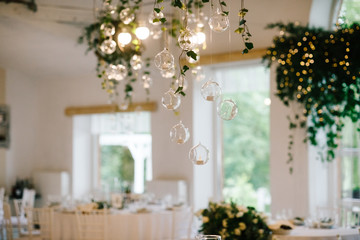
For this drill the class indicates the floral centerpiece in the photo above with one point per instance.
(233, 222)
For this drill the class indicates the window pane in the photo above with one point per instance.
(350, 11)
(246, 137)
(117, 165)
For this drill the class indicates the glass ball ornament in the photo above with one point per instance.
(187, 39)
(123, 106)
(227, 109)
(154, 15)
(170, 100)
(108, 29)
(210, 91)
(179, 133)
(198, 73)
(219, 21)
(156, 32)
(164, 60)
(108, 46)
(199, 154)
(127, 15)
(147, 81)
(136, 62)
(120, 72)
(169, 73)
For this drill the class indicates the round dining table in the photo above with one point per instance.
(303, 233)
(121, 225)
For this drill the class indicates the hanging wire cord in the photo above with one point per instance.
(31, 5)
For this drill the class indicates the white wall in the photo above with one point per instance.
(22, 97)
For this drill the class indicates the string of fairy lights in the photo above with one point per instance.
(320, 70)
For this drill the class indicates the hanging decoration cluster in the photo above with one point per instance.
(189, 33)
(321, 71)
(117, 41)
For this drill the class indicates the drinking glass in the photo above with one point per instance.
(210, 237)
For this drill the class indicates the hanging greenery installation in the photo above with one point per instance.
(320, 70)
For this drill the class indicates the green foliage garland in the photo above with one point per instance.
(320, 70)
(233, 222)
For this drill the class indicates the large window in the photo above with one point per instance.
(111, 152)
(124, 157)
(245, 139)
(350, 11)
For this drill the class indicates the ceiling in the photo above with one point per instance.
(43, 45)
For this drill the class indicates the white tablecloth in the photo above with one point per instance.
(122, 225)
(302, 233)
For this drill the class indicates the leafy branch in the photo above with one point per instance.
(244, 30)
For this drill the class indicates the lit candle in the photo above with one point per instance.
(210, 98)
(200, 161)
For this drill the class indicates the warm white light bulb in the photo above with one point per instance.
(201, 37)
(124, 38)
(142, 33)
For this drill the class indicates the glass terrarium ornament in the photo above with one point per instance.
(147, 81)
(219, 21)
(179, 133)
(127, 15)
(154, 15)
(187, 39)
(170, 100)
(164, 60)
(198, 73)
(168, 73)
(108, 46)
(199, 154)
(123, 106)
(227, 109)
(210, 91)
(108, 29)
(120, 72)
(136, 62)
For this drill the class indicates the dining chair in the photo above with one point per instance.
(27, 201)
(92, 225)
(182, 219)
(2, 195)
(7, 221)
(39, 223)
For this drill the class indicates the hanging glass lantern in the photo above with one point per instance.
(108, 46)
(199, 154)
(154, 15)
(120, 72)
(170, 100)
(136, 62)
(198, 73)
(179, 133)
(227, 109)
(164, 60)
(127, 15)
(187, 39)
(155, 32)
(219, 21)
(168, 73)
(210, 91)
(107, 29)
(147, 81)
(123, 106)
